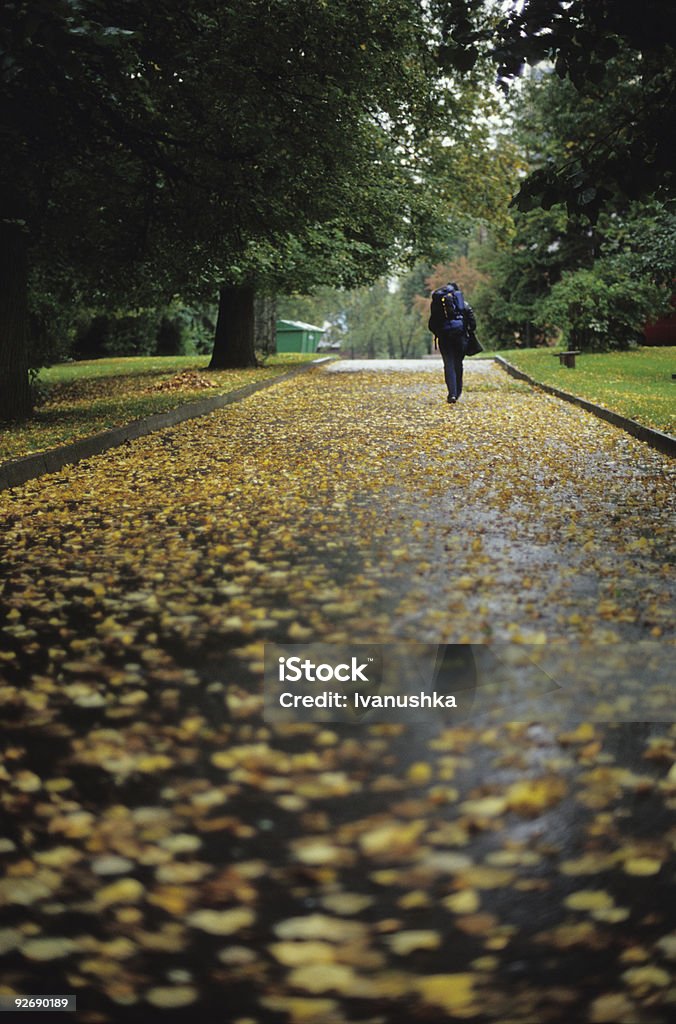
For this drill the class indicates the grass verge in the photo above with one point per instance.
(87, 397)
(636, 384)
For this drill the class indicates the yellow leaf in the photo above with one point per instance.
(391, 838)
(589, 899)
(535, 795)
(450, 992)
(172, 898)
(316, 851)
(647, 977)
(611, 1008)
(222, 922)
(298, 632)
(419, 773)
(125, 890)
(642, 866)
(485, 807)
(297, 954)
(466, 901)
(322, 927)
(346, 902)
(300, 1010)
(153, 763)
(403, 943)
(325, 977)
(47, 948)
(170, 997)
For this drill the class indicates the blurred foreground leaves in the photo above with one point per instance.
(165, 848)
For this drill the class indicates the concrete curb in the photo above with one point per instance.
(15, 472)
(655, 438)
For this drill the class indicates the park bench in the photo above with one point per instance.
(567, 358)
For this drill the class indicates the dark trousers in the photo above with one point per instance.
(452, 348)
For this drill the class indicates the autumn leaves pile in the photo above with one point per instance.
(164, 848)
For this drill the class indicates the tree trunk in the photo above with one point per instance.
(16, 401)
(234, 337)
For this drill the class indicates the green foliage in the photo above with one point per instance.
(379, 323)
(608, 159)
(562, 276)
(152, 169)
(121, 334)
(133, 334)
(596, 288)
(54, 314)
(370, 322)
(472, 169)
(603, 307)
(644, 241)
(173, 330)
(170, 340)
(154, 152)
(520, 276)
(619, 60)
(192, 327)
(322, 305)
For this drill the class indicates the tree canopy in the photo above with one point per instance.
(152, 147)
(619, 57)
(596, 280)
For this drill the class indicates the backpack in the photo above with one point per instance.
(446, 311)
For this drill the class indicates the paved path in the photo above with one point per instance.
(166, 849)
(430, 364)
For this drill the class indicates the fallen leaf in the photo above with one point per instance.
(589, 899)
(126, 890)
(222, 922)
(405, 942)
(450, 992)
(167, 997)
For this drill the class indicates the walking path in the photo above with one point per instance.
(167, 848)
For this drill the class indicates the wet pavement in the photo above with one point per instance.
(169, 854)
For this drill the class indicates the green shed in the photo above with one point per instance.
(295, 336)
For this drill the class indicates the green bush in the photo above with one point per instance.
(127, 334)
(602, 308)
(52, 323)
(134, 334)
(197, 325)
(170, 337)
(503, 322)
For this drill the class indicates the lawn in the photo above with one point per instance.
(636, 384)
(83, 398)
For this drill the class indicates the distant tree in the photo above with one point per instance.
(377, 323)
(461, 270)
(602, 307)
(616, 55)
(600, 256)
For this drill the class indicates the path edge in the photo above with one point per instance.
(15, 472)
(655, 438)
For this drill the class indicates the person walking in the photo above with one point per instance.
(453, 324)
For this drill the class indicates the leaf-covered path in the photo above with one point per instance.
(167, 854)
